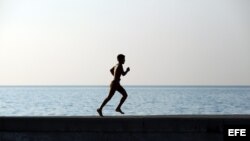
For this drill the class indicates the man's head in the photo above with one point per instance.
(121, 58)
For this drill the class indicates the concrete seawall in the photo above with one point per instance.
(122, 128)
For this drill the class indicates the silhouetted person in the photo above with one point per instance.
(116, 71)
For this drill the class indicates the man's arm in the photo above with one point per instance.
(112, 70)
(124, 73)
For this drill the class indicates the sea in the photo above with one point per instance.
(141, 101)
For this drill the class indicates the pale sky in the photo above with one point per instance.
(166, 42)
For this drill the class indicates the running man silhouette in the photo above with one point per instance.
(116, 71)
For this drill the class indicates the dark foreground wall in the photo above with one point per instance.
(124, 128)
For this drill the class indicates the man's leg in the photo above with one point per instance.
(124, 97)
(111, 93)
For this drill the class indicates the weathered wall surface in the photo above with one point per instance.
(124, 128)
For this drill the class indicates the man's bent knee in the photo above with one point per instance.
(108, 98)
(125, 95)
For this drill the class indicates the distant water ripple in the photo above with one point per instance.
(153, 100)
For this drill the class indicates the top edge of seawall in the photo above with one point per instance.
(234, 116)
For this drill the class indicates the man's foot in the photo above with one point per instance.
(99, 111)
(120, 111)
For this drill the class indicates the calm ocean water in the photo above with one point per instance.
(144, 100)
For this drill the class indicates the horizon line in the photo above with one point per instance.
(125, 85)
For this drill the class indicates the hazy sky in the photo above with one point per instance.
(166, 42)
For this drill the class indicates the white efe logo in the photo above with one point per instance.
(237, 132)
